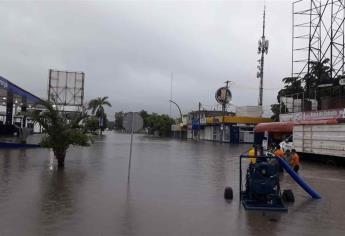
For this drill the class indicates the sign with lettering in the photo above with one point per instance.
(291, 116)
(223, 95)
(313, 115)
(3, 83)
(325, 114)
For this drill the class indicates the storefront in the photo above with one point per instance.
(233, 130)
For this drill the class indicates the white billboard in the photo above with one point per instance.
(66, 88)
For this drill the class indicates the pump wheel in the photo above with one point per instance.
(288, 196)
(228, 194)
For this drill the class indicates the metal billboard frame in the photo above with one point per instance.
(66, 88)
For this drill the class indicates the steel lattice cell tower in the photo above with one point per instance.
(317, 34)
(262, 49)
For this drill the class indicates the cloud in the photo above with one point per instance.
(129, 49)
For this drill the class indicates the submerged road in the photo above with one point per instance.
(176, 188)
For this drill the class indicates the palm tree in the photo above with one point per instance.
(321, 69)
(320, 72)
(97, 109)
(61, 131)
(292, 86)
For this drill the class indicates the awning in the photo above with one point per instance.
(287, 127)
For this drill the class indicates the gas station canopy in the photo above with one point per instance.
(13, 97)
(19, 95)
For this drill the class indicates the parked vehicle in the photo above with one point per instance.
(272, 134)
(320, 139)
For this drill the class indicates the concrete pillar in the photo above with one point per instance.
(9, 107)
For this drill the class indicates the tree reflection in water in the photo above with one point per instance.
(59, 199)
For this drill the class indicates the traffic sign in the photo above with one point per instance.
(132, 122)
(132, 119)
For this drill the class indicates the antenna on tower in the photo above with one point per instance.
(171, 84)
(262, 49)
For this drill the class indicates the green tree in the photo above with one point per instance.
(91, 124)
(292, 87)
(97, 108)
(161, 123)
(145, 116)
(320, 72)
(276, 108)
(119, 120)
(61, 132)
(110, 125)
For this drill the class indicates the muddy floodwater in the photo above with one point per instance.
(176, 188)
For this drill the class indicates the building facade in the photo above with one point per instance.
(218, 127)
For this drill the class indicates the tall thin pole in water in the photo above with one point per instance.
(130, 149)
(199, 116)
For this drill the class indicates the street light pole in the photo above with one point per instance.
(180, 116)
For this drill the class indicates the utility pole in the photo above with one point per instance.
(171, 82)
(199, 115)
(262, 49)
(223, 110)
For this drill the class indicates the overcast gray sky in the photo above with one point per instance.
(128, 49)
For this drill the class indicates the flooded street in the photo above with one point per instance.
(176, 188)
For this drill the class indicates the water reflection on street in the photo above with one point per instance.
(176, 188)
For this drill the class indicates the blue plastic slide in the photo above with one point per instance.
(298, 179)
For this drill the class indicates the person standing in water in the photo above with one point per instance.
(295, 160)
(279, 152)
(288, 156)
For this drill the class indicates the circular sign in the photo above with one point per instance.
(342, 81)
(223, 95)
(132, 120)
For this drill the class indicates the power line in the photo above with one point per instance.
(241, 86)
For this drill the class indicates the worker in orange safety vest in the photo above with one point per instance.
(295, 160)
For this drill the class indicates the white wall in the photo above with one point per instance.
(320, 139)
